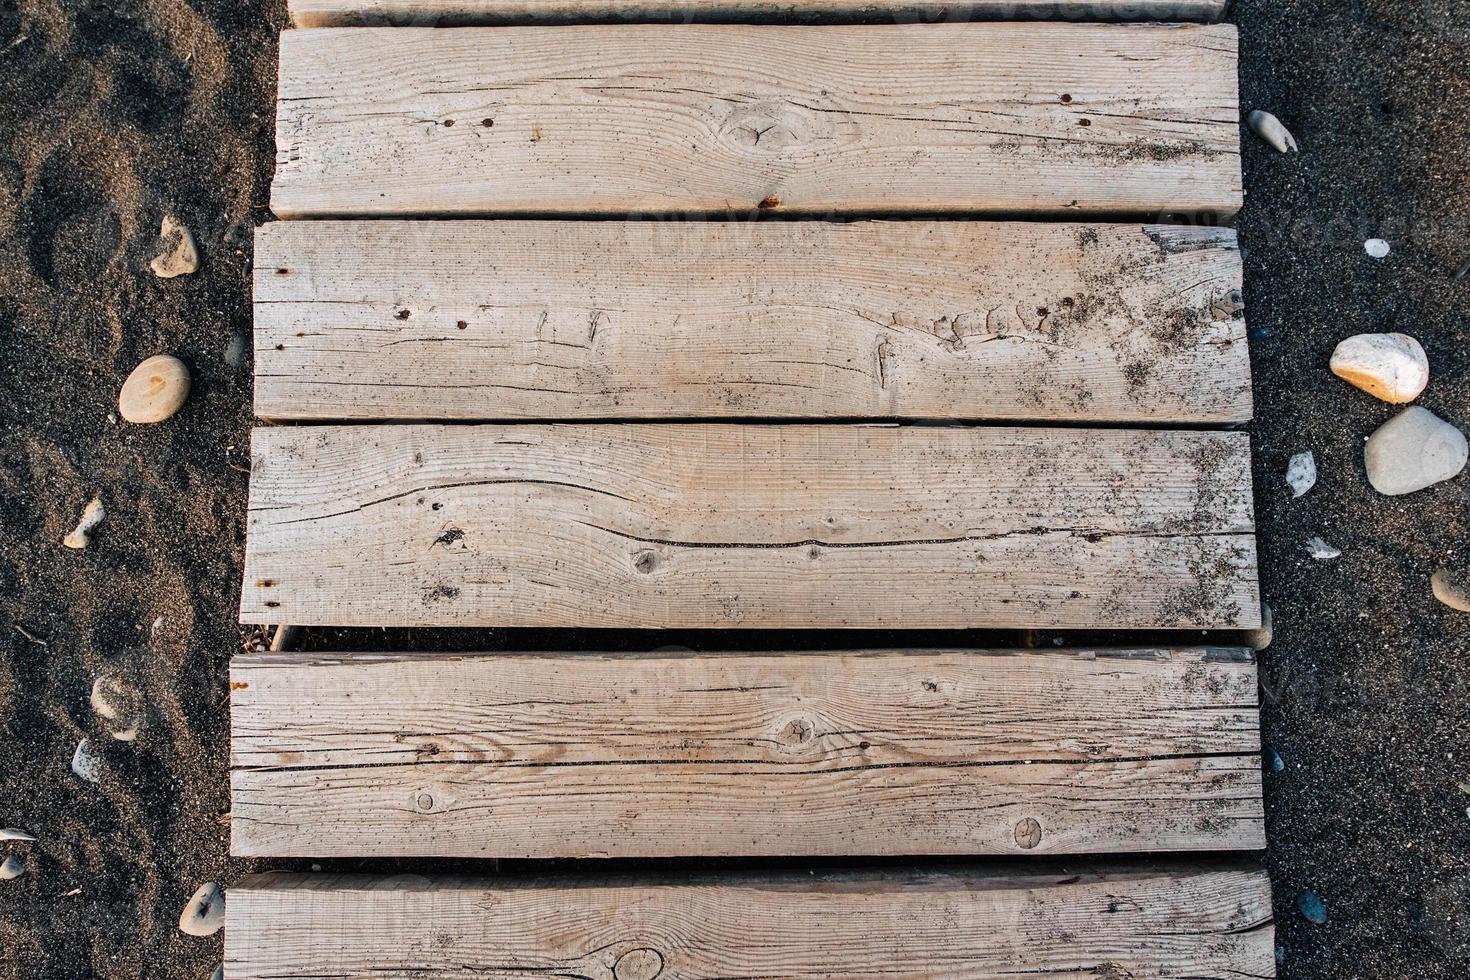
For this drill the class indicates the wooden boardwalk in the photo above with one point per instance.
(603, 322)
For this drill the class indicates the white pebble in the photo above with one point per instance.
(1377, 247)
(1389, 366)
(1272, 130)
(205, 912)
(15, 834)
(84, 762)
(179, 256)
(12, 867)
(1301, 473)
(1413, 450)
(1321, 550)
(91, 517)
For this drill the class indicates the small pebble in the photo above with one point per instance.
(1312, 908)
(1272, 130)
(1273, 758)
(84, 762)
(219, 973)
(12, 867)
(1377, 248)
(1413, 450)
(1453, 589)
(1260, 638)
(1389, 366)
(205, 912)
(1301, 473)
(1321, 550)
(237, 352)
(179, 256)
(15, 834)
(81, 536)
(155, 390)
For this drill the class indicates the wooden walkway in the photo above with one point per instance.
(646, 324)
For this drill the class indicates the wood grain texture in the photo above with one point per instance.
(1205, 923)
(705, 525)
(649, 320)
(446, 13)
(884, 753)
(1061, 119)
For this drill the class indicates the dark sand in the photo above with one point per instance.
(115, 115)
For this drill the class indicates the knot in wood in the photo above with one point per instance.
(1028, 833)
(638, 964)
(799, 731)
(645, 560)
(423, 801)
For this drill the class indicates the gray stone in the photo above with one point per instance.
(1452, 588)
(1413, 450)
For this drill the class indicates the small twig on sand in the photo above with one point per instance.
(1464, 271)
(31, 636)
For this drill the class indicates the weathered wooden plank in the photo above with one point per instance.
(1062, 119)
(649, 320)
(1206, 923)
(883, 753)
(705, 525)
(447, 13)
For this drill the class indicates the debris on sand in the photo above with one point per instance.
(114, 701)
(1312, 908)
(91, 516)
(1321, 550)
(1377, 248)
(1389, 366)
(205, 912)
(1301, 473)
(1453, 589)
(179, 256)
(12, 867)
(85, 763)
(1413, 450)
(155, 390)
(1271, 129)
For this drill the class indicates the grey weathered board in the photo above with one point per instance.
(721, 525)
(649, 320)
(1060, 119)
(879, 753)
(1206, 923)
(442, 13)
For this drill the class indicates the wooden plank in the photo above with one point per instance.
(705, 525)
(1062, 119)
(646, 320)
(883, 753)
(447, 13)
(1205, 923)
